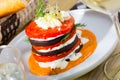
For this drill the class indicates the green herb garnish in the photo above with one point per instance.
(40, 9)
(27, 40)
(79, 25)
(76, 25)
(65, 37)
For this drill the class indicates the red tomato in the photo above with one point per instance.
(33, 31)
(48, 58)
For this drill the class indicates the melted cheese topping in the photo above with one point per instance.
(48, 39)
(51, 21)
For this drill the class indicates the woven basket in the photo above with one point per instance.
(13, 24)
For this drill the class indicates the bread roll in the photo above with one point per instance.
(11, 6)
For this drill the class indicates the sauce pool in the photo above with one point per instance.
(87, 49)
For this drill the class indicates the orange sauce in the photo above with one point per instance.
(86, 51)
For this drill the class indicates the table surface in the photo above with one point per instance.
(97, 73)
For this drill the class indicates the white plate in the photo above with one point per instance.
(100, 24)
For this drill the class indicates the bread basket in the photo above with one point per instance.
(14, 23)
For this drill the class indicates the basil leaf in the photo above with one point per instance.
(65, 37)
(79, 25)
(27, 40)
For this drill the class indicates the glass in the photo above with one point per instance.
(11, 67)
(112, 67)
(109, 7)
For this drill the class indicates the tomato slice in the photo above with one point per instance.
(40, 58)
(33, 31)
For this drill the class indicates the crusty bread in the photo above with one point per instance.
(11, 6)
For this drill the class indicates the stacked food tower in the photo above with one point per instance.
(55, 43)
